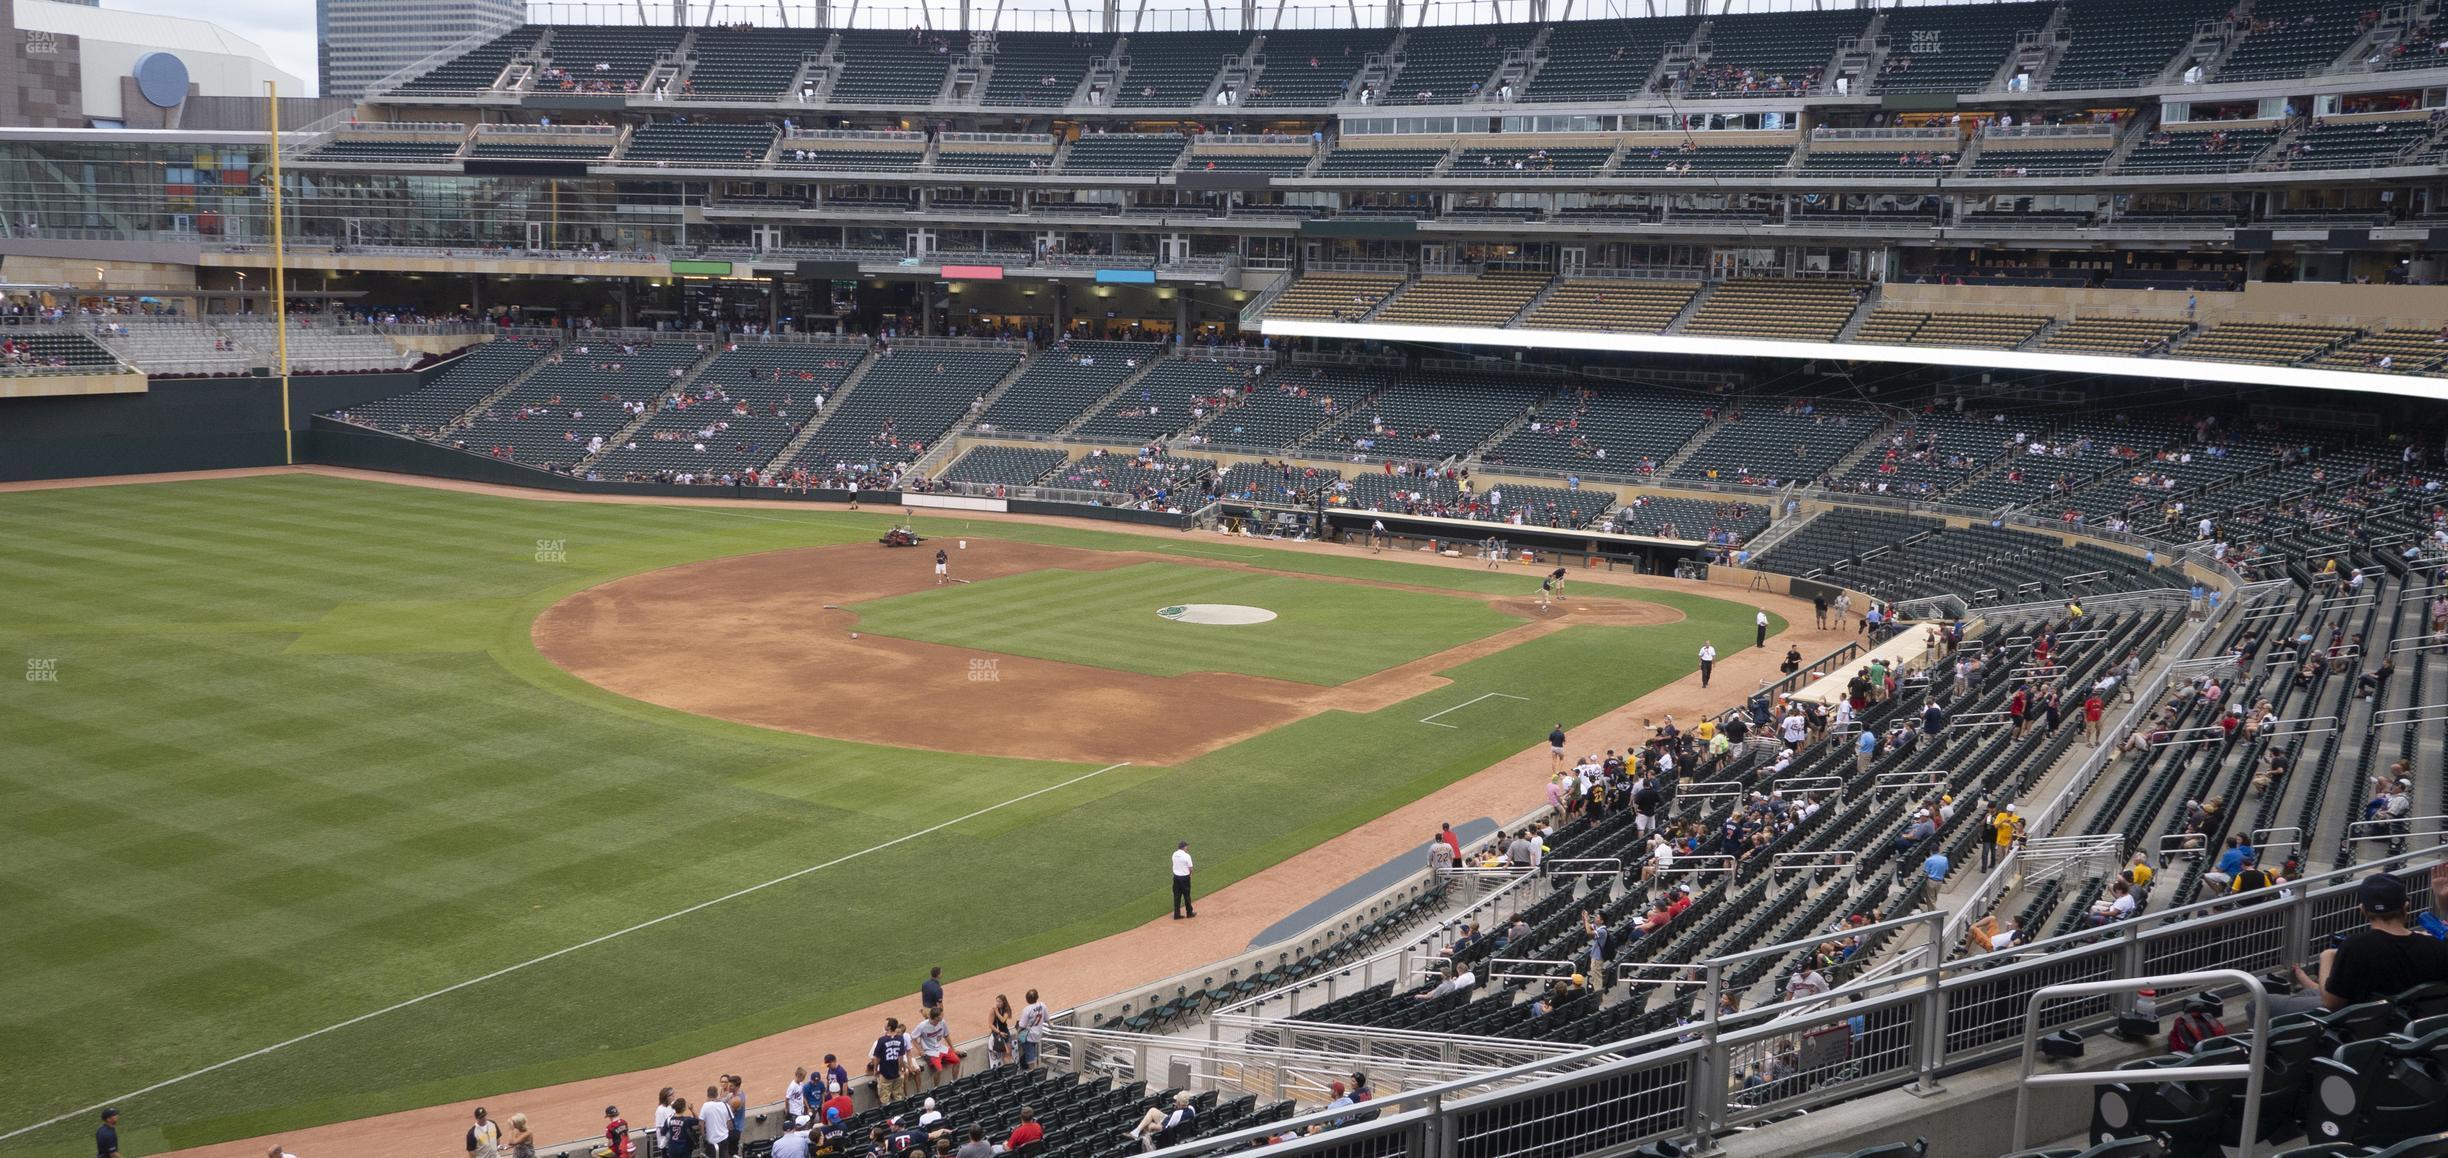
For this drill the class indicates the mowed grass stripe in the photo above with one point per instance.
(1323, 633)
(220, 840)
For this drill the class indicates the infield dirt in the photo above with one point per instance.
(766, 639)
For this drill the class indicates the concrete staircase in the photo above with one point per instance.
(516, 380)
(939, 454)
(1072, 427)
(614, 441)
(807, 433)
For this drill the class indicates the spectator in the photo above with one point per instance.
(1181, 1123)
(2384, 958)
(999, 1033)
(716, 1115)
(1033, 1021)
(617, 1143)
(1150, 1125)
(1027, 1132)
(933, 1042)
(977, 1146)
(885, 1061)
(930, 991)
(518, 1140)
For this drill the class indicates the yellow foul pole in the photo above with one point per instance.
(280, 279)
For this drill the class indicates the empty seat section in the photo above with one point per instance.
(727, 146)
(1772, 441)
(737, 415)
(1333, 296)
(1561, 161)
(383, 150)
(1703, 520)
(2285, 39)
(1168, 399)
(451, 391)
(907, 400)
(971, 159)
(881, 67)
(1794, 310)
(1956, 48)
(478, 68)
(1490, 299)
(617, 57)
(1174, 70)
(751, 62)
(550, 419)
(1358, 162)
(1145, 475)
(1312, 66)
(1004, 465)
(2353, 145)
(1279, 162)
(1994, 161)
(799, 153)
(538, 147)
(1591, 60)
(1125, 153)
(2197, 151)
(1042, 69)
(1441, 64)
(1428, 416)
(1062, 384)
(1928, 163)
(1687, 158)
(2113, 335)
(1603, 431)
(2120, 44)
(2405, 351)
(1614, 305)
(1277, 408)
(1890, 326)
(2268, 343)
(1767, 53)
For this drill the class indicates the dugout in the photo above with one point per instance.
(1647, 554)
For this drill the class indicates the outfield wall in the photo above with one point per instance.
(179, 424)
(334, 443)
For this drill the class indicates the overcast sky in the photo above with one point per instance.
(285, 28)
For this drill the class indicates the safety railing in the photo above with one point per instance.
(2251, 1071)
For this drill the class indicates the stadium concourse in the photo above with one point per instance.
(1229, 923)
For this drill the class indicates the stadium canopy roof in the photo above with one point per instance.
(1126, 16)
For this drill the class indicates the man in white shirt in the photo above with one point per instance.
(1181, 883)
(1708, 661)
(716, 1114)
(1762, 623)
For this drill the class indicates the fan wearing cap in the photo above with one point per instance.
(2385, 957)
(794, 1140)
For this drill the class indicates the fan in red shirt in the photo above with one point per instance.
(1026, 1132)
(616, 1134)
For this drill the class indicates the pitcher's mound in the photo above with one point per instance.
(1222, 613)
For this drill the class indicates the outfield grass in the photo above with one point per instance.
(1323, 633)
(301, 762)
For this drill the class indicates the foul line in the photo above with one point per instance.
(1429, 720)
(505, 971)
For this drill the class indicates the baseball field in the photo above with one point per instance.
(328, 797)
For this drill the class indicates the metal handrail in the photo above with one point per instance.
(2030, 1079)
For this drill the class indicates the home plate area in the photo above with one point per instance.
(1228, 614)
